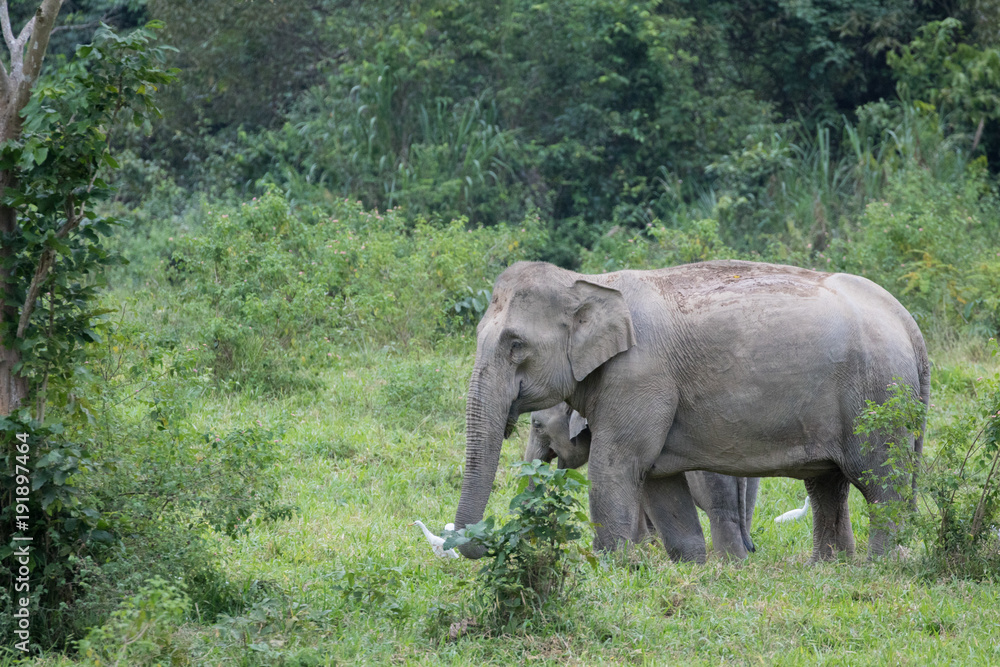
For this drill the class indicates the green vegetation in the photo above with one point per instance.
(231, 430)
(529, 558)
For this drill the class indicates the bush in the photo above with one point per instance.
(656, 247)
(530, 558)
(266, 291)
(962, 489)
(136, 490)
(141, 631)
(933, 244)
(957, 491)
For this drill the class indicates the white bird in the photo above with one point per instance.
(793, 515)
(437, 543)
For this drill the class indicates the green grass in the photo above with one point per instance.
(383, 445)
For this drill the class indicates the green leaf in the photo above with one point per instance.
(54, 242)
(39, 154)
(102, 536)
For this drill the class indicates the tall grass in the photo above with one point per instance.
(800, 189)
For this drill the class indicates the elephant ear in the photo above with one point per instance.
(602, 327)
(577, 423)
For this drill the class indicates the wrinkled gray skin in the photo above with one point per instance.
(561, 433)
(740, 368)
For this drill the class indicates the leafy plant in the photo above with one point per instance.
(962, 497)
(52, 272)
(530, 558)
(900, 417)
(471, 308)
(141, 631)
(933, 244)
(961, 80)
(373, 586)
(266, 289)
(957, 491)
(657, 246)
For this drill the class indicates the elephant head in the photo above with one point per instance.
(559, 432)
(546, 330)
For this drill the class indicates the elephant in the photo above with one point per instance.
(561, 433)
(741, 368)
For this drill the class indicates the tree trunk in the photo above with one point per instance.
(15, 91)
(13, 387)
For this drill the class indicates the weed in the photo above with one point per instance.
(141, 631)
(958, 491)
(530, 558)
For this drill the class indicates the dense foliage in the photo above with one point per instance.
(596, 113)
(232, 424)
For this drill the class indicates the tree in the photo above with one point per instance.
(26, 53)
(57, 128)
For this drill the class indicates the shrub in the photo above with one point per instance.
(933, 244)
(530, 558)
(141, 631)
(962, 489)
(657, 246)
(957, 491)
(136, 490)
(265, 289)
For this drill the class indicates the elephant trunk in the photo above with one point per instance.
(539, 447)
(486, 423)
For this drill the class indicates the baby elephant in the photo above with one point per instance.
(561, 432)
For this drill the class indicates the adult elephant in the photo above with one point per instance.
(740, 368)
(561, 433)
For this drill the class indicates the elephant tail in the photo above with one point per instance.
(741, 494)
(925, 398)
(923, 391)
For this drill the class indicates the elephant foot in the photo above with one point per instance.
(833, 535)
(728, 538)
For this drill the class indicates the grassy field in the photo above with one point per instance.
(347, 580)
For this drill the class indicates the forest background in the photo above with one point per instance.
(250, 379)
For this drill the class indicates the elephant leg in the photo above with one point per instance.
(649, 526)
(884, 503)
(645, 530)
(749, 503)
(672, 510)
(615, 509)
(832, 532)
(620, 455)
(722, 497)
(753, 486)
(727, 537)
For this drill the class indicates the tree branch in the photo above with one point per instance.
(15, 46)
(8, 34)
(45, 263)
(80, 26)
(41, 273)
(44, 20)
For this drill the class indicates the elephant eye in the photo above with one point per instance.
(536, 424)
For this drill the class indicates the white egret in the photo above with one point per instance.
(794, 515)
(437, 543)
